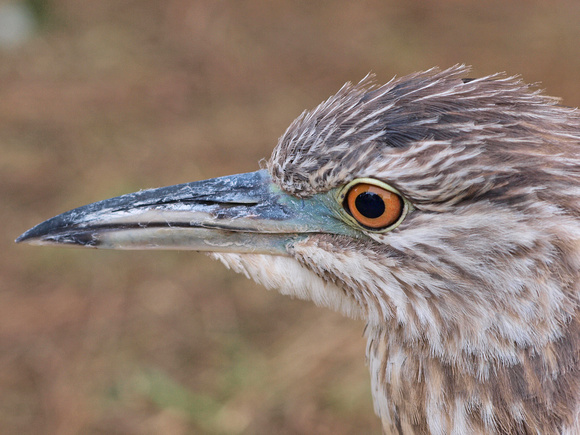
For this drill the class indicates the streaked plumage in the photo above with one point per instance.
(471, 302)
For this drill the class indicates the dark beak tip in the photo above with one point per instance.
(26, 237)
(61, 239)
(39, 232)
(35, 234)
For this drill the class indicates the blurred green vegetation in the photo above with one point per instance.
(109, 97)
(40, 8)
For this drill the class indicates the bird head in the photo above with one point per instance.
(479, 236)
(487, 250)
(444, 211)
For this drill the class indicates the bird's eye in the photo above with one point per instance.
(373, 205)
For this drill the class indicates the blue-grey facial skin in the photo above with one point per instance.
(238, 213)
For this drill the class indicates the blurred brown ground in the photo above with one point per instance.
(109, 97)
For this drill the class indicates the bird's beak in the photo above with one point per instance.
(244, 213)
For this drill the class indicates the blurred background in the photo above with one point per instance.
(101, 98)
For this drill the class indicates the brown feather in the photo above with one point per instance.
(472, 302)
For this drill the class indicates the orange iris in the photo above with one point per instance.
(374, 207)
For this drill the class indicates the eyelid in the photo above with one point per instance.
(342, 193)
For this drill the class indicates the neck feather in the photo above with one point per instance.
(418, 393)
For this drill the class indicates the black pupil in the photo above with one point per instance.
(370, 205)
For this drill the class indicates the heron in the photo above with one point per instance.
(442, 210)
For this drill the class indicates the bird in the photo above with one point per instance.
(443, 210)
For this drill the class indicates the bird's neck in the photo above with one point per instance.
(418, 392)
